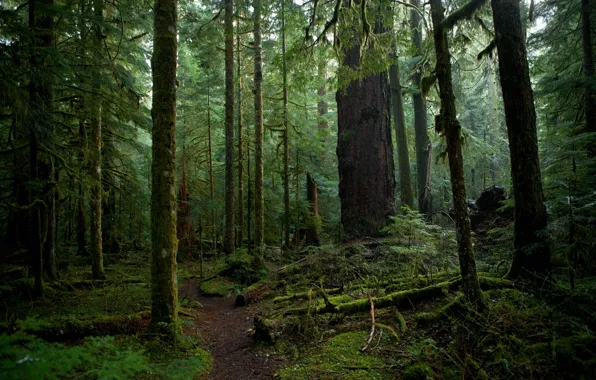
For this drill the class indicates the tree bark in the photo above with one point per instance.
(40, 129)
(532, 254)
(95, 151)
(589, 95)
(447, 124)
(286, 173)
(230, 228)
(259, 198)
(403, 159)
(109, 230)
(240, 217)
(210, 158)
(184, 229)
(312, 195)
(364, 148)
(420, 118)
(164, 286)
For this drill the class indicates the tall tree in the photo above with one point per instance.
(286, 137)
(164, 245)
(589, 93)
(364, 148)
(447, 124)
(95, 150)
(240, 217)
(420, 116)
(399, 122)
(230, 228)
(532, 254)
(259, 199)
(40, 126)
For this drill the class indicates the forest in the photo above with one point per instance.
(297, 189)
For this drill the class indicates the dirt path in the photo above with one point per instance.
(225, 332)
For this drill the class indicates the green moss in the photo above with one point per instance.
(419, 371)
(339, 358)
(219, 287)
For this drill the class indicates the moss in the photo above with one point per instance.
(218, 287)
(419, 371)
(577, 352)
(339, 358)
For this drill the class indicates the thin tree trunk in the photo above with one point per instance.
(81, 209)
(286, 172)
(164, 286)
(403, 159)
(240, 217)
(532, 254)
(211, 184)
(589, 95)
(95, 152)
(109, 230)
(230, 227)
(312, 195)
(259, 198)
(448, 125)
(420, 116)
(364, 148)
(40, 128)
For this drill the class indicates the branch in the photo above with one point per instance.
(465, 12)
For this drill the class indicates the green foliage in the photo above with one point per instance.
(245, 268)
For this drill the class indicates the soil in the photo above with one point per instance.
(226, 332)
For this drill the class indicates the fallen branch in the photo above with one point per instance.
(372, 329)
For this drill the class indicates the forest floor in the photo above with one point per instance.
(225, 331)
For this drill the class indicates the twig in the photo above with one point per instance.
(372, 329)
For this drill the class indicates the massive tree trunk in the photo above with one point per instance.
(95, 151)
(259, 199)
(532, 254)
(286, 137)
(399, 121)
(164, 286)
(230, 227)
(589, 93)
(420, 118)
(40, 129)
(447, 124)
(364, 149)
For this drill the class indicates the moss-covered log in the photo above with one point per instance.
(306, 295)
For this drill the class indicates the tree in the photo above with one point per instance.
(230, 228)
(364, 148)
(240, 217)
(95, 150)
(259, 198)
(589, 93)
(447, 124)
(420, 117)
(532, 254)
(286, 137)
(164, 286)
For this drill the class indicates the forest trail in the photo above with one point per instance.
(224, 332)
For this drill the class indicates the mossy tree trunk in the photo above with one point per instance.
(532, 254)
(286, 130)
(95, 149)
(448, 125)
(259, 198)
(210, 159)
(420, 117)
(230, 228)
(109, 231)
(399, 122)
(164, 286)
(312, 195)
(40, 129)
(81, 209)
(364, 148)
(240, 217)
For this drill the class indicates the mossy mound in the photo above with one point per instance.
(219, 287)
(339, 358)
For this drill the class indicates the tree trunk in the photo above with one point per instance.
(95, 151)
(81, 209)
(403, 159)
(184, 229)
(240, 217)
(230, 227)
(589, 95)
(259, 198)
(286, 173)
(312, 195)
(109, 231)
(447, 124)
(364, 149)
(40, 128)
(164, 286)
(420, 117)
(50, 217)
(532, 254)
(211, 184)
